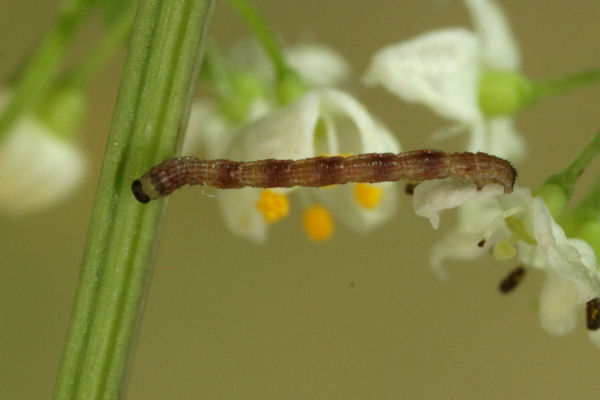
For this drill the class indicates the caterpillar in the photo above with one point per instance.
(413, 166)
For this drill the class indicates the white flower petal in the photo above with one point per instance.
(504, 141)
(474, 218)
(558, 305)
(340, 200)
(498, 46)
(356, 130)
(206, 128)
(319, 122)
(497, 136)
(431, 197)
(595, 337)
(439, 69)
(209, 132)
(478, 136)
(519, 197)
(457, 246)
(240, 213)
(287, 133)
(248, 55)
(571, 259)
(318, 65)
(37, 169)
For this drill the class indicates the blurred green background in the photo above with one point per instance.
(359, 317)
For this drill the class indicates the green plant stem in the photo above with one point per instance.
(290, 85)
(550, 88)
(155, 90)
(34, 81)
(217, 72)
(591, 203)
(265, 35)
(567, 178)
(110, 41)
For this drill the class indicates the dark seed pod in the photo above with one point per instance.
(592, 310)
(512, 280)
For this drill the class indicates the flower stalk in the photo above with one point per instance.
(550, 88)
(558, 188)
(263, 33)
(161, 64)
(111, 40)
(289, 84)
(36, 78)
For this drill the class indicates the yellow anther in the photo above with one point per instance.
(367, 196)
(318, 223)
(504, 249)
(517, 227)
(338, 154)
(273, 206)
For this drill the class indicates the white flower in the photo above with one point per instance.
(323, 121)
(442, 69)
(474, 217)
(431, 197)
(37, 168)
(317, 65)
(518, 223)
(212, 131)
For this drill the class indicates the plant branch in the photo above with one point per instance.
(161, 64)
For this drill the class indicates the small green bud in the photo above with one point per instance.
(503, 93)
(583, 223)
(63, 110)
(289, 87)
(590, 232)
(245, 89)
(555, 197)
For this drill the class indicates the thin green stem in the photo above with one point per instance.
(265, 35)
(115, 37)
(162, 60)
(583, 221)
(289, 84)
(217, 71)
(550, 88)
(591, 202)
(34, 81)
(567, 178)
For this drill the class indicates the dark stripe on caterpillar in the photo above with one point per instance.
(413, 166)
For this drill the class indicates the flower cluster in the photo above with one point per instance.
(39, 164)
(285, 105)
(471, 77)
(322, 121)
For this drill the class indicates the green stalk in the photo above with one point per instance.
(542, 90)
(567, 178)
(591, 202)
(583, 221)
(110, 41)
(265, 35)
(216, 72)
(153, 98)
(558, 188)
(35, 79)
(289, 84)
